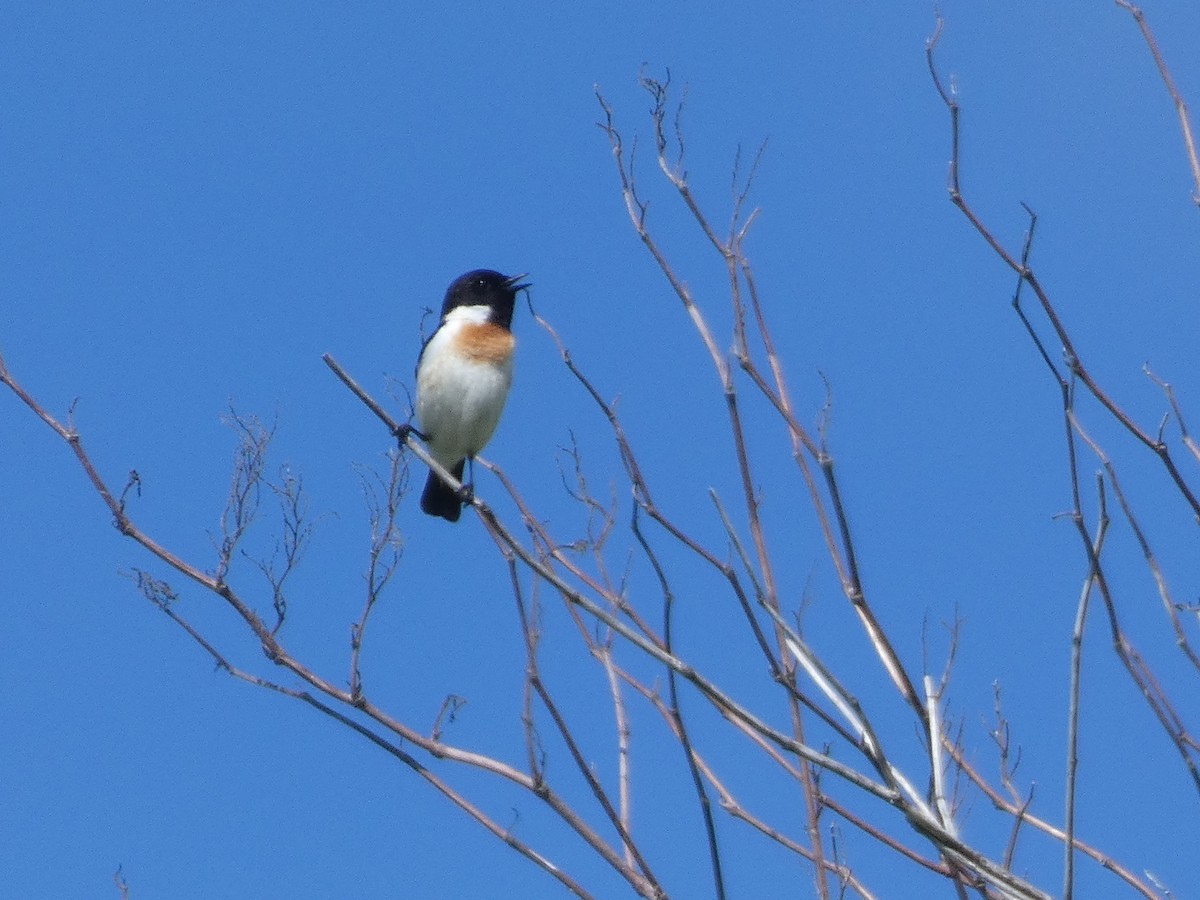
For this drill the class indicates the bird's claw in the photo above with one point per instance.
(403, 431)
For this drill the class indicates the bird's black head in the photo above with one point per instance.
(483, 287)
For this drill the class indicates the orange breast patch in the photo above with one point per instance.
(485, 343)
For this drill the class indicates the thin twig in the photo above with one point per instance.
(383, 559)
(676, 712)
(1073, 702)
(1021, 268)
(1181, 109)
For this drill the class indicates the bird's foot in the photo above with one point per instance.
(403, 431)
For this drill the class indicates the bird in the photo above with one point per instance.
(464, 373)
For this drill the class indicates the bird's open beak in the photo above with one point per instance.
(511, 282)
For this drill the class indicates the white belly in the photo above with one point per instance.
(459, 401)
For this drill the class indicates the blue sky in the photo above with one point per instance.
(198, 200)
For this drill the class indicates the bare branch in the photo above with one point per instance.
(1181, 109)
(1074, 361)
(387, 544)
(1073, 704)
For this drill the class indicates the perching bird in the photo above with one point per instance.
(463, 375)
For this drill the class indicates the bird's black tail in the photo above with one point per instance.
(439, 499)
